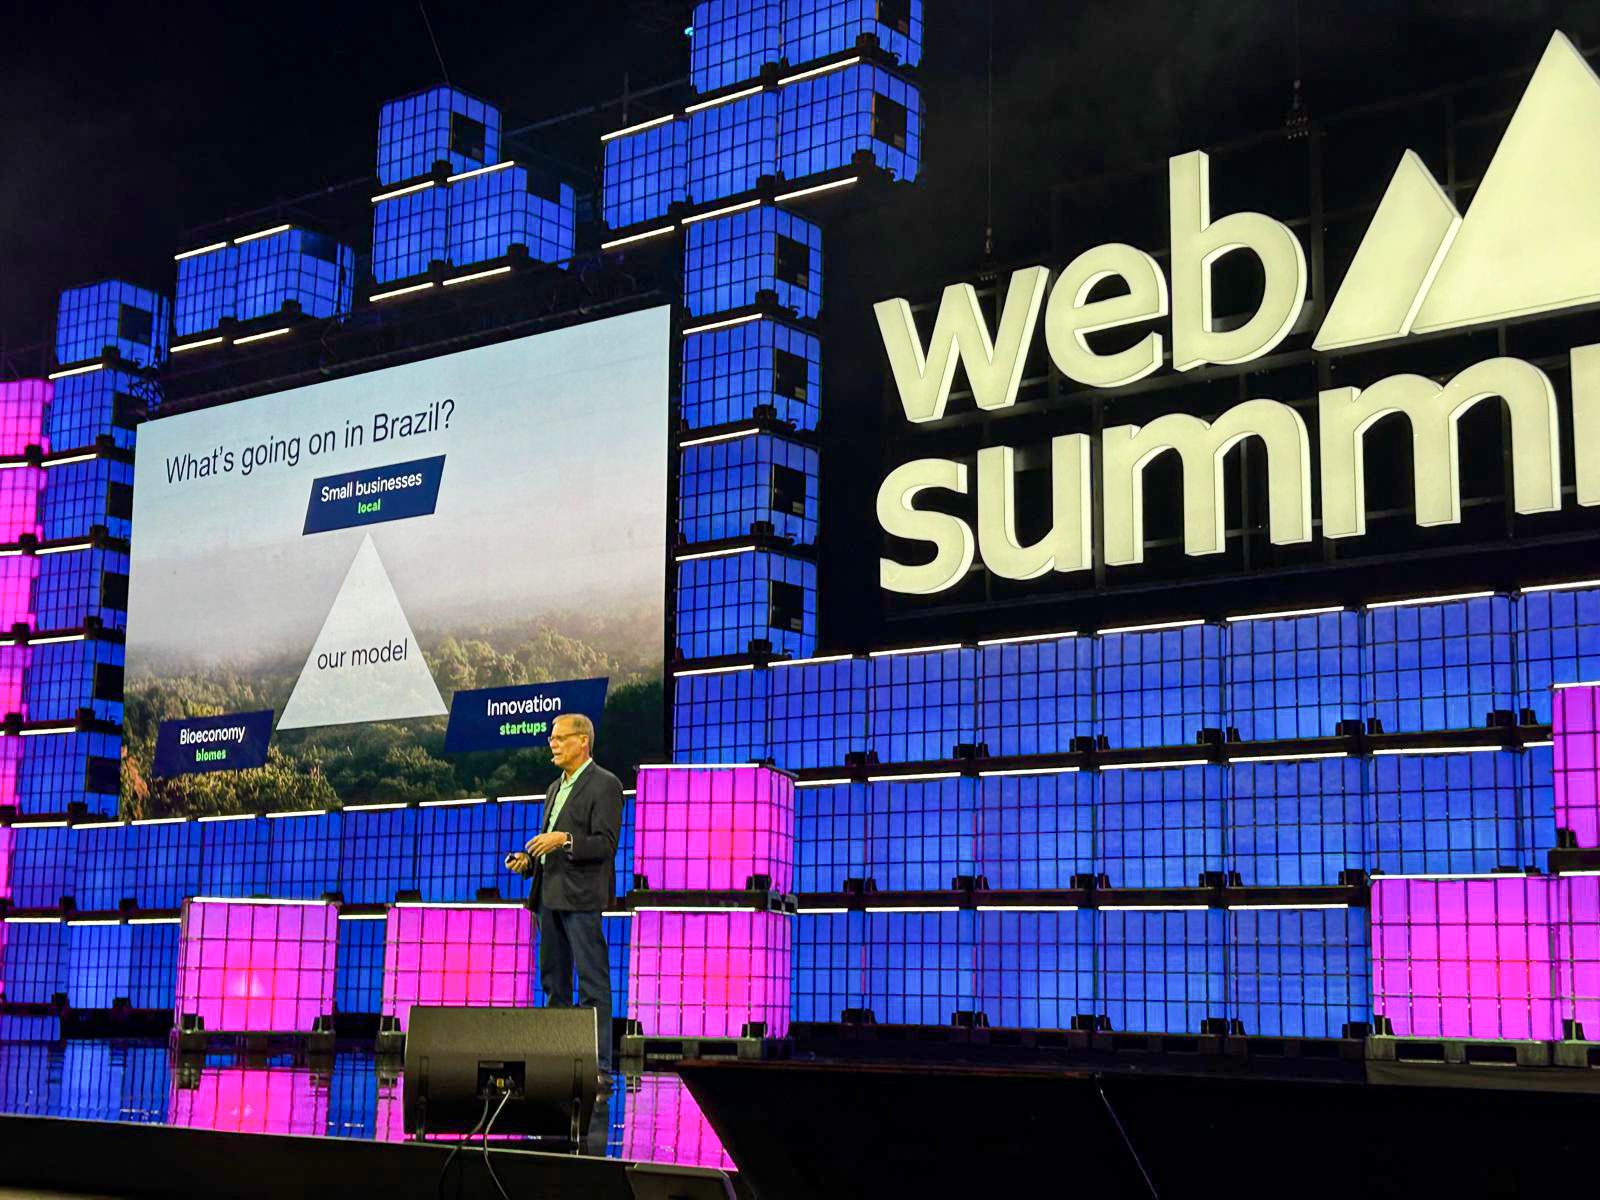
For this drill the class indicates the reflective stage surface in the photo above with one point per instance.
(352, 1094)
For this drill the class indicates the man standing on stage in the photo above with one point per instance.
(572, 865)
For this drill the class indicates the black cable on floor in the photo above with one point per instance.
(1126, 1140)
(456, 1149)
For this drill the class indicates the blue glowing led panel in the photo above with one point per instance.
(1447, 813)
(441, 124)
(728, 261)
(1159, 687)
(1162, 972)
(104, 867)
(460, 850)
(729, 374)
(234, 858)
(59, 769)
(98, 965)
(1558, 641)
(1441, 666)
(1536, 798)
(728, 602)
(1294, 677)
(920, 967)
(33, 966)
(1299, 973)
(409, 233)
(1035, 831)
(43, 858)
(206, 289)
(720, 718)
(1036, 970)
(830, 964)
(132, 321)
(65, 677)
(296, 266)
(818, 712)
(645, 173)
(99, 404)
(75, 585)
(732, 41)
(1160, 826)
(358, 967)
(166, 858)
(832, 827)
(920, 833)
(920, 706)
(80, 495)
(153, 965)
(303, 855)
(1298, 824)
(378, 855)
(814, 29)
(1034, 697)
(492, 212)
(828, 119)
(726, 488)
(731, 146)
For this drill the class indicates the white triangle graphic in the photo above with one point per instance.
(366, 664)
(1395, 265)
(1530, 241)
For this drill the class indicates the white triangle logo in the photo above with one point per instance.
(1530, 241)
(366, 664)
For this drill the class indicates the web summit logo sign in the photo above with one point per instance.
(1529, 244)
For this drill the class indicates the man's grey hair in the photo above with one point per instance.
(583, 724)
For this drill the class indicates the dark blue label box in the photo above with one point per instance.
(377, 494)
(521, 715)
(230, 742)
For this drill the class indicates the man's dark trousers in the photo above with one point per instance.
(571, 889)
(568, 939)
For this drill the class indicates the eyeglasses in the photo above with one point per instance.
(562, 737)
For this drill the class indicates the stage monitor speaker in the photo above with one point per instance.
(457, 1059)
(657, 1181)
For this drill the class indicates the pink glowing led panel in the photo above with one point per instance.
(14, 663)
(22, 409)
(257, 967)
(11, 751)
(17, 573)
(709, 974)
(262, 1100)
(19, 502)
(1465, 958)
(1577, 736)
(7, 840)
(478, 955)
(1578, 950)
(712, 828)
(664, 1124)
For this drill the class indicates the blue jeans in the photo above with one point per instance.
(577, 939)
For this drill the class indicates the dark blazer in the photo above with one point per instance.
(582, 879)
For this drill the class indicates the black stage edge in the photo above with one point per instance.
(105, 1158)
(800, 1130)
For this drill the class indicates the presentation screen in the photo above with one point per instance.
(385, 588)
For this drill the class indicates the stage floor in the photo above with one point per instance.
(351, 1094)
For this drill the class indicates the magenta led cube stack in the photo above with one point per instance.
(664, 1124)
(1577, 737)
(236, 1100)
(708, 974)
(696, 969)
(713, 828)
(17, 575)
(1466, 958)
(478, 955)
(249, 966)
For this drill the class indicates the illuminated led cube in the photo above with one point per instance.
(479, 955)
(1465, 958)
(713, 828)
(257, 966)
(709, 974)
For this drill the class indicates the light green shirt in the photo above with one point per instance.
(560, 802)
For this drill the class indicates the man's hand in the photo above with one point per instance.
(546, 842)
(519, 862)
